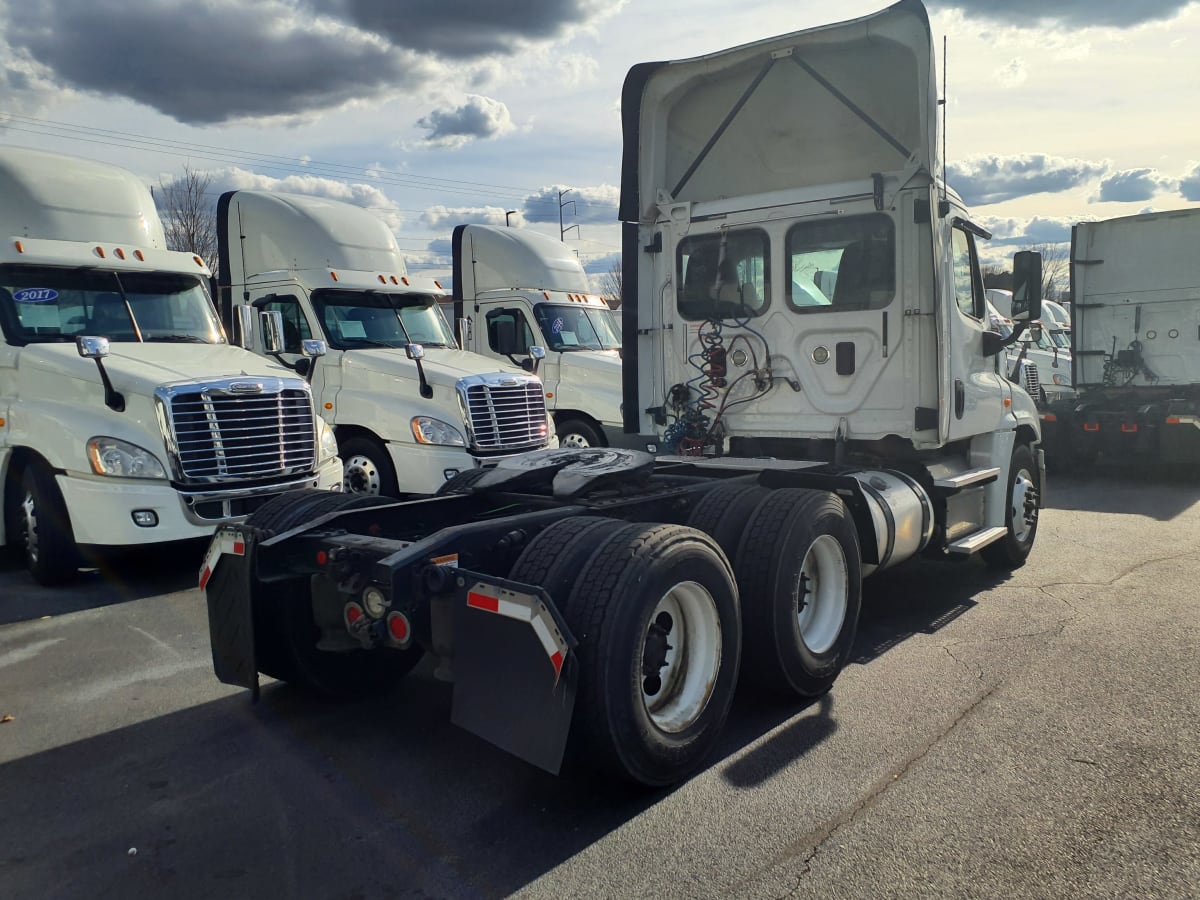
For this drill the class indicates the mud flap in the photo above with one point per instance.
(515, 671)
(225, 578)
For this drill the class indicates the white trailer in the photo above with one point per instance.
(1135, 335)
(410, 409)
(515, 289)
(126, 418)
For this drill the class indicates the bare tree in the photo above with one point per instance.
(1056, 269)
(189, 217)
(610, 284)
(995, 276)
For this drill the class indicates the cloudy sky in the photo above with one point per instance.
(438, 112)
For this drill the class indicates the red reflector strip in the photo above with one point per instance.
(526, 608)
(222, 543)
(1129, 429)
(477, 600)
(1049, 417)
(1174, 420)
(239, 548)
(1091, 426)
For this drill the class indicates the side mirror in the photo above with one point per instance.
(1027, 286)
(272, 331)
(993, 343)
(92, 347)
(536, 355)
(464, 333)
(245, 320)
(537, 352)
(1035, 332)
(313, 348)
(414, 351)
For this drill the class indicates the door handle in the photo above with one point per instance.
(960, 398)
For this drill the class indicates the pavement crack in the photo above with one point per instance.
(816, 840)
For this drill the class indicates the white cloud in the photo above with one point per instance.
(479, 118)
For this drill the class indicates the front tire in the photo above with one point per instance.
(655, 611)
(43, 528)
(578, 434)
(367, 468)
(800, 574)
(1020, 513)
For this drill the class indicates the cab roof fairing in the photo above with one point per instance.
(826, 105)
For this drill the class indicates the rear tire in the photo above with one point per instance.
(655, 612)
(42, 527)
(724, 511)
(1020, 513)
(554, 559)
(800, 574)
(367, 468)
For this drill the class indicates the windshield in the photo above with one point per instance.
(43, 304)
(1060, 339)
(377, 318)
(567, 326)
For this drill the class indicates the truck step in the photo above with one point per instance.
(972, 542)
(968, 478)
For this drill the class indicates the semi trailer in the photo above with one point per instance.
(126, 417)
(808, 364)
(1135, 343)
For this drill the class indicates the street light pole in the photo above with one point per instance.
(506, 215)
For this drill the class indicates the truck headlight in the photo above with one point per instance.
(1062, 380)
(434, 431)
(329, 447)
(110, 456)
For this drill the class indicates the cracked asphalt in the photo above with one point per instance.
(1030, 735)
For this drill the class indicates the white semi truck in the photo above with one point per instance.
(126, 418)
(1135, 336)
(806, 345)
(409, 408)
(515, 289)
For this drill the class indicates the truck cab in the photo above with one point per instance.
(409, 407)
(126, 416)
(515, 289)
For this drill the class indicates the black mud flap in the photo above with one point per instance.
(515, 671)
(226, 579)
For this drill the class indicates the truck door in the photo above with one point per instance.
(971, 385)
(492, 319)
(296, 328)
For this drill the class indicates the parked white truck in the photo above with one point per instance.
(1135, 317)
(409, 408)
(806, 341)
(515, 289)
(126, 418)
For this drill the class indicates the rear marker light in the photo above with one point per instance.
(1091, 426)
(322, 557)
(399, 629)
(1050, 417)
(352, 615)
(1129, 429)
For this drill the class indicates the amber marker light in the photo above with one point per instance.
(19, 246)
(333, 275)
(119, 253)
(100, 252)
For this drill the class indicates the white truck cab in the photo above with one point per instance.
(410, 409)
(515, 289)
(126, 417)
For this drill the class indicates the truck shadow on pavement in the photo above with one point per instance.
(120, 578)
(1155, 492)
(296, 796)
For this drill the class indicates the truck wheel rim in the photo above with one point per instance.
(1024, 509)
(822, 593)
(575, 440)
(360, 475)
(29, 517)
(681, 656)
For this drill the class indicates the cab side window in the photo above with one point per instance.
(502, 319)
(968, 283)
(295, 326)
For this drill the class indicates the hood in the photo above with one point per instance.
(604, 363)
(822, 106)
(140, 368)
(443, 367)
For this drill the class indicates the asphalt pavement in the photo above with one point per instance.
(1029, 735)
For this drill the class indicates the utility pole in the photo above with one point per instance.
(562, 232)
(506, 215)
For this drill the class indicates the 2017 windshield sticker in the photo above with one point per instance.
(35, 295)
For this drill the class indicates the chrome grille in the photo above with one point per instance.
(219, 435)
(506, 416)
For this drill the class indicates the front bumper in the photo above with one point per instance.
(102, 509)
